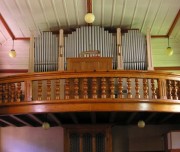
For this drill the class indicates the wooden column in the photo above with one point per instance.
(149, 51)
(19, 92)
(120, 88)
(1, 93)
(61, 51)
(12, 92)
(112, 95)
(119, 50)
(153, 89)
(103, 87)
(6, 93)
(129, 88)
(31, 54)
(94, 88)
(57, 89)
(85, 88)
(67, 89)
(39, 90)
(48, 90)
(76, 88)
(28, 90)
(137, 88)
(170, 89)
(162, 88)
(145, 88)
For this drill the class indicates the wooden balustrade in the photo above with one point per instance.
(90, 85)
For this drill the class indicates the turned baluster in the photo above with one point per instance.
(67, 88)
(103, 88)
(85, 88)
(12, 92)
(48, 90)
(1, 93)
(153, 89)
(39, 90)
(120, 88)
(94, 88)
(19, 93)
(112, 95)
(145, 88)
(57, 89)
(6, 93)
(175, 90)
(129, 88)
(170, 89)
(137, 88)
(76, 88)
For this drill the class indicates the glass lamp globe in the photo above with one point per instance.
(141, 124)
(12, 53)
(89, 18)
(169, 51)
(45, 125)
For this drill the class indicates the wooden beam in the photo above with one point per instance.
(73, 117)
(33, 117)
(20, 120)
(22, 38)
(7, 122)
(7, 27)
(167, 68)
(159, 36)
(150, 117)
(174, 23)
(166, 118)
(51, 115)
(13, 70)
(131, 117)
(93, 117)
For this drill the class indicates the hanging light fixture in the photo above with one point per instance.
(141, 124)
(89, 17)
(169, 50)
(46, 124)
(12, 52)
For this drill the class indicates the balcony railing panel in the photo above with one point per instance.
(86, 86)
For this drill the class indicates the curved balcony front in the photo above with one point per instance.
(96, 91)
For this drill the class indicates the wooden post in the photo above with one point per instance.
(103, 87)
(31, 54)
(85, 88)
(149, 51)
(48, 91)
(94, 88)
(129, 88)
(19, 92)
(145, 88)
(120, 88)
(153, 89)
(112, 87)
(162, 88)
(119, 50)
(61, 51)
(137, 88)
(28, 90)
(57, 89)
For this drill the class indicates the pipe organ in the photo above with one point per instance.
(134, 50)
(46, 52)
(86, 39)
(93, 38)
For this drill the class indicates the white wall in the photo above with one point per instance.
(31, 139)
(22, 55)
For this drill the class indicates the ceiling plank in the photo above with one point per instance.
(131, 117)
(33, 117)
(51, 115)
(74, 118)
(150, 117)
(167, 68)
(20, 120)
(166, 118)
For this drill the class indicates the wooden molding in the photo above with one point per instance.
(167, 68)
(13, 70)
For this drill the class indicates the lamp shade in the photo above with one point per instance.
(141, 124)
(12, 53)
(169, 51)
(45, 125)
(89, 18)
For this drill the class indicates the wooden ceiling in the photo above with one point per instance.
(26, 16)
(84, 118)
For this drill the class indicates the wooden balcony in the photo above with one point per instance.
(96, 91)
